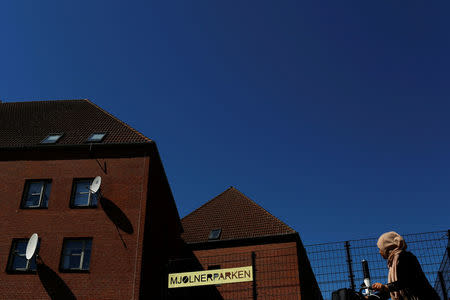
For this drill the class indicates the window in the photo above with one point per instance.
(215, 234)
(36, 193)
(81, 194)
(52, 138)
(76, 255)
(96, 137)
(17, 262)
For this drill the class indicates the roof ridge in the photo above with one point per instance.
(266, 211)
(207, 202)
(246, 197)
(36, 101)
(118, 120)
(26, 123)
(236, 214)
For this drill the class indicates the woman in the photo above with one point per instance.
(406, 280)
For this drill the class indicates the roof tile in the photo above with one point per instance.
(238, 217)
(25, 124)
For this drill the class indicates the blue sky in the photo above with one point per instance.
(332, 115)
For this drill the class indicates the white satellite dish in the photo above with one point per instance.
(95, 184)
(31, 246)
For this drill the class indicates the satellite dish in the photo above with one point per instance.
(31, 246)
(95, 184)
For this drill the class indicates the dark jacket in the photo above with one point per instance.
(411, 280)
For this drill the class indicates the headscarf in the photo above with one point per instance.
(392, 244)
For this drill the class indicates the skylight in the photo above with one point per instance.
(96, 137)
(52, 138)
(215, 234)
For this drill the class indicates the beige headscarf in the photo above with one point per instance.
(392, 244)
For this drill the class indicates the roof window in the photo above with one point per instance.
(96, 137)
(214, 234)
(52, 138)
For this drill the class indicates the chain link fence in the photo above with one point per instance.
(338, 265)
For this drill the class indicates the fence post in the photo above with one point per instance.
(255, 294)
(442, 281)
(448, 244)
(440, 275)
(349, 263)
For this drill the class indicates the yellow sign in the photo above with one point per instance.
(222, 276)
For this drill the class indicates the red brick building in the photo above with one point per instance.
(113, 247)
(123, 242)
(232, 231)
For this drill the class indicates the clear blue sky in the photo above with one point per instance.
(332, 115)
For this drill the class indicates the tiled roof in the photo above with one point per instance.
(25, 124)
(237, 216)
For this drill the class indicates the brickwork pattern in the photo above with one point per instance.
(116, 255)
(276, 271)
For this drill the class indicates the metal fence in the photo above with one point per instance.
(338, 265)
(442, 285)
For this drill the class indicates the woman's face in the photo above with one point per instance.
(383, 254)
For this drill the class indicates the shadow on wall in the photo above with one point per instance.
(309, 288)
(162, 242)
(116, 215)
(189, 263)
(55, 287)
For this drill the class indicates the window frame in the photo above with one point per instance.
(219, 234)
(60, 134)
(10, 262)
(61, 261)
(44, 188)
(74, 191)
(96, 141)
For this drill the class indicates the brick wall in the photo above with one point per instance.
(276, 272)
(116, 255)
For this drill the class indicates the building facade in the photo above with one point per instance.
(90, 247)
(232, 231)
(124, 241)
